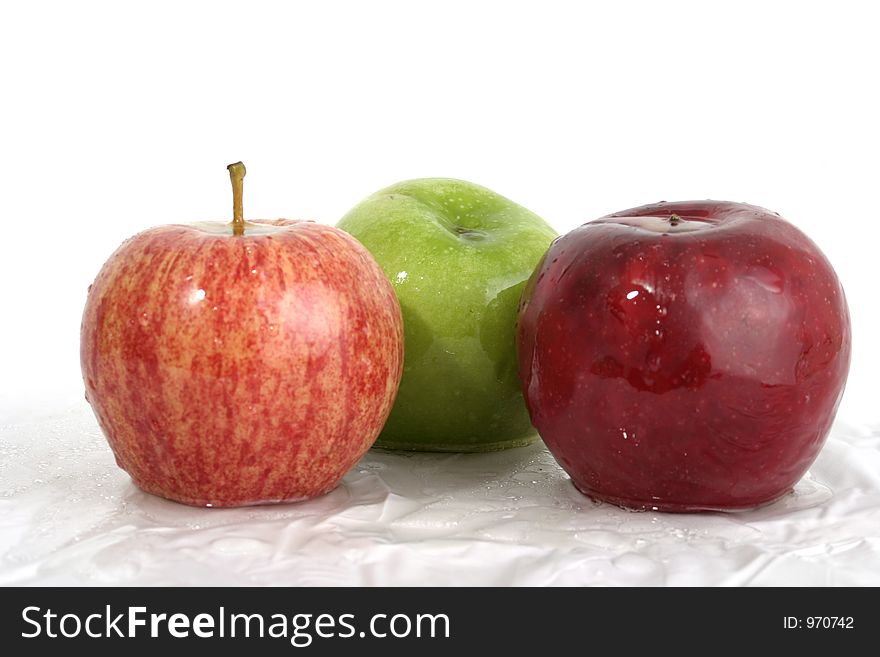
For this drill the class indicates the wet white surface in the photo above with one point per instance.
(69, 516)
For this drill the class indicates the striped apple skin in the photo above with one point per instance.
(233, 370)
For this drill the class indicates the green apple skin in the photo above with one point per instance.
(458, 256)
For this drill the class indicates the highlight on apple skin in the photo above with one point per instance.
(458, 256)
(243, 363)
(684, 356)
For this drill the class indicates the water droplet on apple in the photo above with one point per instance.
(470, 234)
(766, 279)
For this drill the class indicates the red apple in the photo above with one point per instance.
(243, 363)
(684, 356)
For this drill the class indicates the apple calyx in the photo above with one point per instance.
(237, 173)
(469, 233)
(674, 219)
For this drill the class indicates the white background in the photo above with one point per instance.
(116, 117)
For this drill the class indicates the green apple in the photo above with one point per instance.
(458, 256)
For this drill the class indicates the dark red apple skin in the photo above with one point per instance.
(695, 368)
(233, 370)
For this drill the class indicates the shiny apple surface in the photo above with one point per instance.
(240, 369)
(684, 356)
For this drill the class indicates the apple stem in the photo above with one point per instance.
(674, 219)
(236, 175)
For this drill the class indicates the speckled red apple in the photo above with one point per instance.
(242, 363)
(684, 356)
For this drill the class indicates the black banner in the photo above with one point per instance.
(433, 621)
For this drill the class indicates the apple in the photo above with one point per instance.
(243, 363)
(458, 256)
(684, 356)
